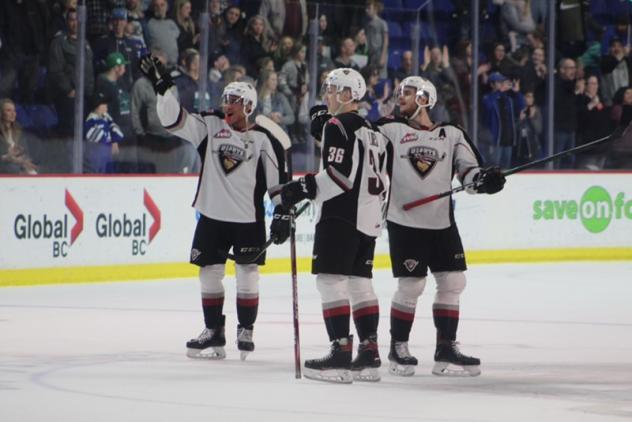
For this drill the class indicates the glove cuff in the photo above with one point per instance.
(163, 84)
(309, 185)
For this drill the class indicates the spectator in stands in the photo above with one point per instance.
(376, 31)
(255, 45)
(266, 63)
(111, 86)
(500, 61)
(530, 131)
(159, 151)
(565, 110)
(284, 17)
(189, 35)
(373, 107)
(98, 15)
(219, 64)
(14, 158)
(347, 50)
(616, 69)
(188, 79)
(594, 122)
(24, 36)
(362, 48)
(163, 32)
(118, 41)
(534, 75)
(293, 83)
(322, 56)
(136, 23)
(620, 155)
(58, 11)
(436, 68)
(501, 108)
(217, 27)
(283, 53)
(61, 73)
(573, 24)
(517, 23)
(234, 33)
(405, 68)
(102, 137)
(271, 102)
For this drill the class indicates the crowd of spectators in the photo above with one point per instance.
(264, 42)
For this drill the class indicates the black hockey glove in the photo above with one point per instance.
(280, 227)
(319, 116)
(157, 73)
(294, 192)
(489, 180)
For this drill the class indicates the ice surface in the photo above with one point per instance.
(555, 342)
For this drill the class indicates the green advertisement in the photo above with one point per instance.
(595, 209)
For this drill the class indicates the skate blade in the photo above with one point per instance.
(210, 353)
(401, 370)
(243, 354)
(447, 369)
(338, 376)
(366, 375)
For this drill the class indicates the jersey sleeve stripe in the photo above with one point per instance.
(343, 182)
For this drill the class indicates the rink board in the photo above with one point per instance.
(78, 229)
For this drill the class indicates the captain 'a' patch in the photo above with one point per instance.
(230, 157)
(423, 159)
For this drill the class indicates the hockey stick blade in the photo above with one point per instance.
(252, 258)
(431, 198)
(276, 130)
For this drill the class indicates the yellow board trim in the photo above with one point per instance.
(108, 273)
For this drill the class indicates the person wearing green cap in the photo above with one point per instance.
(111, 84)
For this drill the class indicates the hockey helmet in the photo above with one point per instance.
(423, 88)
(244, 91)
(346, 78)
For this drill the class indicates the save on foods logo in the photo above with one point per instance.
(596, 209)
(54, 228)
(132, 227)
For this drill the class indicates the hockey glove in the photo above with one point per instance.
(157, 73)
(280, 227)
(489, 180)
(294, 192)
(320, 116)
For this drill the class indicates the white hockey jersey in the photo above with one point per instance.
(237, 167)
(424, 163)
(353, 181)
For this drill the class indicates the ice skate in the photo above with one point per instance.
(449, 361)
(365, 366)
(401, 362)
(208, 345)
(336, 366)
(244, 341)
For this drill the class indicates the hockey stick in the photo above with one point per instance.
(293, 215)
(276, 130)
(431, 198)
(252, 258)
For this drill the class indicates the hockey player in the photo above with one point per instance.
(240, 162)
(426, 155)
(351, 189)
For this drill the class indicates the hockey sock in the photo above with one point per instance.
(446, 320)
(212, 294)
(247, 294)
(366, 317)
(401, 324)
(403, 306)
(336, 316)
(212, 306)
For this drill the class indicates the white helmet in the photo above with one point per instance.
(424, 88)
(243, 90)
(346, 78)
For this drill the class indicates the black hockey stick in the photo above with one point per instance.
(297, 340)
(253, 257)
(431, 198)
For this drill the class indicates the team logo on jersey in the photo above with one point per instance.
(411, 264)
(409, 137)
(423, 159)
(230, 157)
(223, 134)
(195, 254)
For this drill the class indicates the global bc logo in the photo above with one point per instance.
(596, 209)
(133, 228)
(55, 229)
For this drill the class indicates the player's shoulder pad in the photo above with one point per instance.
(212, 112)
(271, 137)
(391, 119)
